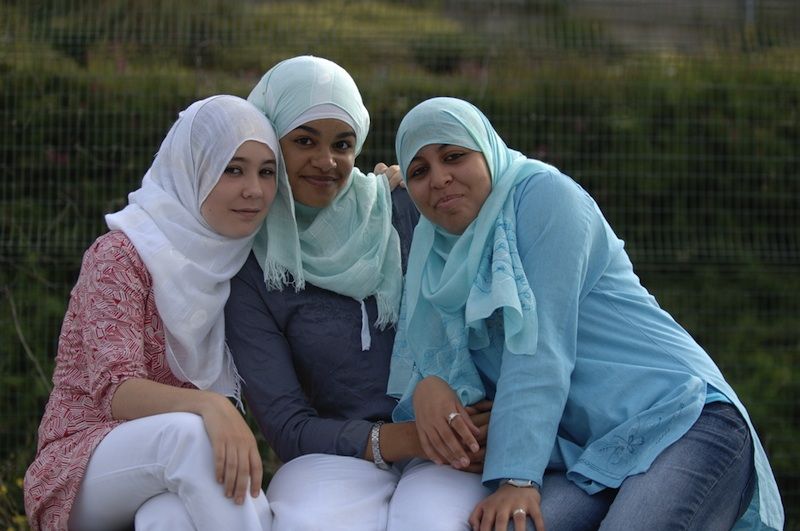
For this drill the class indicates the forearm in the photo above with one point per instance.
(531, 396)
(138, 397)
(398, 441)
(237, 463)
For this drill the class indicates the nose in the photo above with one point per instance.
(324, 160)
(252, 186)
(440, 177)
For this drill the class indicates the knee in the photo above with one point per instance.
(346, 494)
(296, 507)
(183, 425)
(307, 521)
(429, 518)
(183, 433)
(432, 523)
(163, 511)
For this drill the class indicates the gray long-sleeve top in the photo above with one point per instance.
(307, 382)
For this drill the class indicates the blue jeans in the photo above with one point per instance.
(704, 482)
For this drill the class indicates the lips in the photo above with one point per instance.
(320, 180)
(447, 201)
(247, 212)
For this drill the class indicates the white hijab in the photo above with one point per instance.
(191, 265)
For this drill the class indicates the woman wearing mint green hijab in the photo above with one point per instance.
(310, 323)
(606, 414)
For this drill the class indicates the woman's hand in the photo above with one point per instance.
(236, 457)
(508, 503)
(479, 413)
(445, 428)
(392, 174)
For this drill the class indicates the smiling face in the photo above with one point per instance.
(319, 157)
(449, 185)
(239, 202)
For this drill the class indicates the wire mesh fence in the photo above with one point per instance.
(682, 118)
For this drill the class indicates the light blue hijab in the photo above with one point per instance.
(349, 247)
(454, 283)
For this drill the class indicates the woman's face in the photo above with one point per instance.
(239, 202)
(319, 157)
(449, 185)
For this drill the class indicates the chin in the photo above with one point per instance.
(242, 233)
(319, 202)
(453, 228)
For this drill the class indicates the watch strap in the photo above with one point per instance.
(519, 483)
(375, 443)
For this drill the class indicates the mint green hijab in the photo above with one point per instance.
(350, 247)
(455, 283)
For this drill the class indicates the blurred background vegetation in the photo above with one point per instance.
(681, 117)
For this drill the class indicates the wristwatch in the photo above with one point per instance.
(375, 442)
(519, 483)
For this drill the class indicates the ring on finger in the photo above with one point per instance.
(519, 511)
(451, 416)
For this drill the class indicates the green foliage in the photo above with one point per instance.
(12, 514)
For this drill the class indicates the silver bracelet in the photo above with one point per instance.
(375, 441)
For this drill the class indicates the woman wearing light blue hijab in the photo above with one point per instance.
(607, 414)
(310, 323)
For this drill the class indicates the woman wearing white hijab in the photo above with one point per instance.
(138, 426)
(607, 414)
(311, 323)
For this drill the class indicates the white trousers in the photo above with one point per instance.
(159, 472)
(328, 492)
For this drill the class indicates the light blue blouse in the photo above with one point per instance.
(614, 379)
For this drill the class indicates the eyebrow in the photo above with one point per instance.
(314, 131)
(245, 159)
(439, 149)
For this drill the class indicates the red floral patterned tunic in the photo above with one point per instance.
(111, 332)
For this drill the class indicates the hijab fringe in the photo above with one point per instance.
(236, 393)
(387, 311)
(277, 276)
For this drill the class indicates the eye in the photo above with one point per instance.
(233, 170)
(453, 156)
(269, 171)
(303, 141)
(416, 172)
(343, 145)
